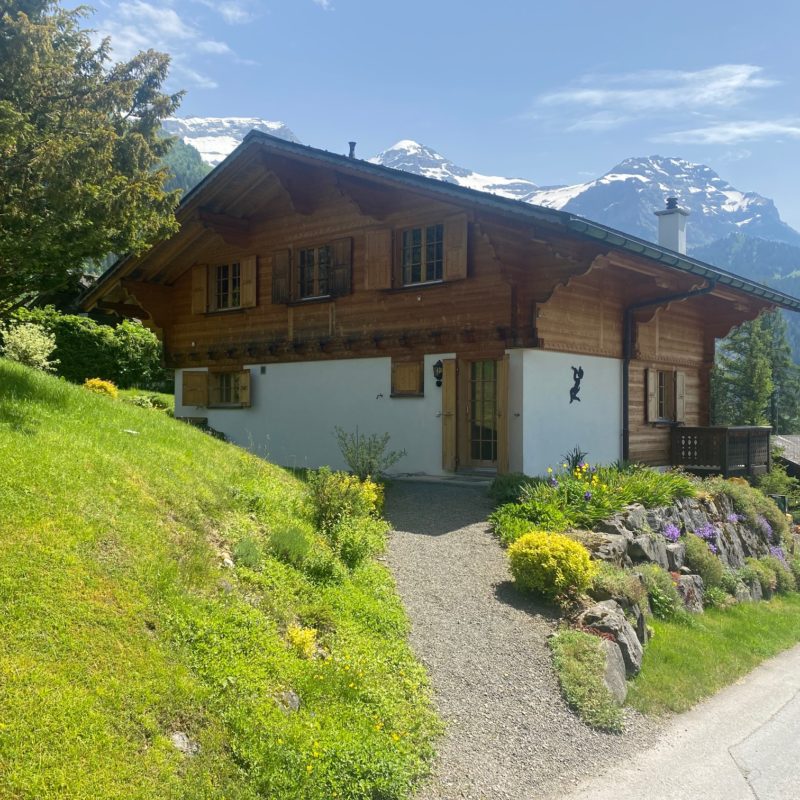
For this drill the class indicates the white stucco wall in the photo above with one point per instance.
(295, 408)
(550, 424)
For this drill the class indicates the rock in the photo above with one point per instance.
(635, 517)
(685, 570)
(649, 547)
(614, 527)
(183, 743)
(754, 586)
(690, 588)
(676, 555)
(640, 625)
(743, 593)
(289, 700)
(613, 548)
(614, 676)
(608, 617)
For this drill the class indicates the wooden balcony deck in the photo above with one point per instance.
(723, 450)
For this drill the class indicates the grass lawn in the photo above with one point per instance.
(685, 663)
(167, 399)
(120, 624)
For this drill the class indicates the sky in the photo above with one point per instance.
(555, 92)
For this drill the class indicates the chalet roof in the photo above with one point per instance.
(517, 209)
(790, 446)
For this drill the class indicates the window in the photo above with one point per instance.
(407, 379)
(220, 389)
(226, 287)
(422, 254)
(665, 395)
(314, 265)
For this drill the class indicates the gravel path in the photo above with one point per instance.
(509, 733)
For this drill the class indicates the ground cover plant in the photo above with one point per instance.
(156, 582)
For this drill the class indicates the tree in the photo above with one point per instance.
(185, 167)
(80, 145)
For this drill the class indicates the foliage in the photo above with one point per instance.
(247, 552)
(336, 496)
(611, 582)
(703, 562)
(112, 555)
(716, 597)
(291, 544)
(684, 664)
(506, 488)
(30, 345)
(580, 665)
(302, 640)
(778, 481)
(99, 386)
(356, 539)
(80, 142)
(550, 564)
(129, 354)
(763, 573)
(184, 167)
(784, 579)
(366, 455)
(794, 566)
(573, 459)
(665, 601)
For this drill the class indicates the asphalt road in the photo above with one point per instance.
(741, 744)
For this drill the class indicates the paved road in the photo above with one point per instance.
(743, 743)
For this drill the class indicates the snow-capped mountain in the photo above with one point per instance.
(413, 157)
(217, 137)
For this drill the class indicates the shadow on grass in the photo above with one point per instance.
(21, 391)
(507, 593)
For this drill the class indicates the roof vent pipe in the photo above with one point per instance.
(352, 149)
(672, 226)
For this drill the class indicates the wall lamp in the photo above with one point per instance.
(438, 372)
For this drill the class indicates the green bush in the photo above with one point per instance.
(611, 581)
(291, 544)
(550, 564)
(506, 488)
(665, 601)
(247, 553)
(358, 538)
(30, 345)
(794, 566)
(702, 561)
(730, 582)
(579, 662)
(784, 580)
(367, 456)
(715, 597)
(509, 522)
(322, 566)
(337, 496)
(763, 573)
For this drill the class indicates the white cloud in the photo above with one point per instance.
(234, 12)
(325, 5)
(159, 21)
(215, 48)
(730, 133)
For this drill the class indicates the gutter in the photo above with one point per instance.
(627, 351)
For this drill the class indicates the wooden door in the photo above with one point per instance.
(449, 393)
(502, 416)
(478, 407)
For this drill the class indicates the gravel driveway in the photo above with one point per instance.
(509, 734)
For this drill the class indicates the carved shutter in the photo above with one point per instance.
(194, 389)
(502, 416)
(199, 288)
(455, 247)
(449, 379)
(378, 267)
(281, 268)
(244, 388)
(249, 267)
(342, 266)
(407, 378)
(651, 383)
(680, 397)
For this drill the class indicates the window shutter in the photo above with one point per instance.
(651, 380)
(407, 378)
(680, 397)
(194, 389)
(244, 388)
(199, 289)
(281, 268)
(214, 389)
(249, 272)
(378, 268)
(455, 247)
(342, 267)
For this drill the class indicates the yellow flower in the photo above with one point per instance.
(549, 469)
(565, 465)
(395, 737)
(309, 767)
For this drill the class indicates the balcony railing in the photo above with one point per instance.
(721, 450)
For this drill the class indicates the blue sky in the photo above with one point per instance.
(556, 92)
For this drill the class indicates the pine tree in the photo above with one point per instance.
(785, 402)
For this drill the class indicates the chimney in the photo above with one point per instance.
(672, 226)
(352, 149)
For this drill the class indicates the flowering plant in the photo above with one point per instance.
(671, 532)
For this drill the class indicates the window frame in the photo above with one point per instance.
(424, 245)
(214, 286)
(230, 396)
(663, 405)
(316, 279)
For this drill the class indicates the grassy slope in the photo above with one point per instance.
(119, 624)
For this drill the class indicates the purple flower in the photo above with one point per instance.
(713, 548)
(707, 532)
(778, 553)
(587, 495)
(766, 528)
(671, 532)
(734, 518)
(553, 482)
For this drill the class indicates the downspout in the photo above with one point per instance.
(627, 351)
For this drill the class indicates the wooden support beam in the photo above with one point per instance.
(373, 201)
(123, 309)
(300, 182)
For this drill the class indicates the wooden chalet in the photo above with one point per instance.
(307, 290)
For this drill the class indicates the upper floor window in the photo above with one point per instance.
(666, 395)
(314, 265)
(422, 254)
(226, 286)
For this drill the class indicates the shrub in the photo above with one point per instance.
(509, 522)
(665, 601)
(550, 564)
(358, 538)
(30, 345)
(730, 582)
(247, 553)
(302, 640)
(322, 566)
(784, 580)
(506, 488)
(701, 560)
(291, 545)
(715, 597)
(337, 496)
(579, 662)
(614, 582)
(366, 455)
(763, 573)
(99, 386)
(794, 566)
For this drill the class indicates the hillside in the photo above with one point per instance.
(143, 608)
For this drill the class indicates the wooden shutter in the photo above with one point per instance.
(378, 267)
(407, 378)
(194, 389)
(455, 247)
(199, 288)
(502, 416)
(449, 378)
(341, 267)
(680, 397)
(281, 268)
(249, 272)
(651, 384)
(244, 388)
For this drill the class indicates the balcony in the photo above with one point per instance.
(726, 451)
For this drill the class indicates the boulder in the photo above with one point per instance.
(690, 588)
(676, 555)
(743, 594)
(635, 516)
(649, 547)
(612, 548)
(608, 617)
(614, 676)
(289, 700)
(754, 586)
(182, 742)
(615, 526)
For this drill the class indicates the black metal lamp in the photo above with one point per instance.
(438, 372)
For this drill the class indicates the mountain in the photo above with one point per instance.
(216, 137)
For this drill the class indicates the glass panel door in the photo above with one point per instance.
(482, 413)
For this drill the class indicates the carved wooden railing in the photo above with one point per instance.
(741, 450)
